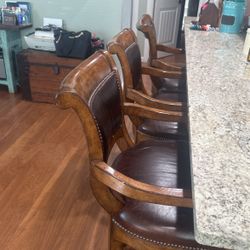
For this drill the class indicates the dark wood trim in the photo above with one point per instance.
(14, 27)
(179, 37)
(23, 72)
(193, 6)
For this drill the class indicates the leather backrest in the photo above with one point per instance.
(125, 46)
(134, 60)
(104, 103)
(92, 89)
(146, 25)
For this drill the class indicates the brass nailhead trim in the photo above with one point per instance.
(155, 241)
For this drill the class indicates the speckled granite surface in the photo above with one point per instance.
(219, 112)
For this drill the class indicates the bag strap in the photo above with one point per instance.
(65, 49)
(71, 38)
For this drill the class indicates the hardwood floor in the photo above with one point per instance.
(45, 197)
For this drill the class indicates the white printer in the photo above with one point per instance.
(43, 38)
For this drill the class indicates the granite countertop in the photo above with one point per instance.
(218, 79)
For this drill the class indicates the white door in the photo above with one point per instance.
(127, 11)
(166, 15)
(167, 19)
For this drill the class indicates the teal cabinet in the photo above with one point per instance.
(10, 43)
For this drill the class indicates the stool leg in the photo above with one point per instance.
(114, 244)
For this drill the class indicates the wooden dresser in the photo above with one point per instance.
(41, 73)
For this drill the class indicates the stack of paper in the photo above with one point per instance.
(44, 34)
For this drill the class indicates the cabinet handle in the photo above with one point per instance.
(56, 69)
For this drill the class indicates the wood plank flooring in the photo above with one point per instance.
(45, 197)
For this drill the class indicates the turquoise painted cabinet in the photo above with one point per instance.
(10, 43)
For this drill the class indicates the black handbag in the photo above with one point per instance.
(73, 44)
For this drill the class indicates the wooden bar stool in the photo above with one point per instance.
(174, 60)
(146, 190)
(125, 46)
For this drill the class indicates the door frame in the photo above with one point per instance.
(135, 18)
(127, 14)
(150, 11)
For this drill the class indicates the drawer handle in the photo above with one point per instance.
(56, 69)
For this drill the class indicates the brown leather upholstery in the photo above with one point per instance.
(170, 85)
(164, 130)
(165, 225)
(104, 103)
(179, 97)
(160, 163)
(134, 60)
(174, 59)
(98, 90)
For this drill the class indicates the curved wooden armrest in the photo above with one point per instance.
(168, 49)
(137, 110)
(138, 190)
(147, 70)
(146, 100)
(158, 63)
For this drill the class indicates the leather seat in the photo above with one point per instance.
(164, 130)
(162, 95)
(163, 225)
(157, 163)
(174, 59)
(168, 85)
